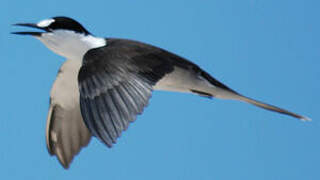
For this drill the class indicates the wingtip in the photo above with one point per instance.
(66, 166)
(305, 119)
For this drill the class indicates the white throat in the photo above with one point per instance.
(70, 44)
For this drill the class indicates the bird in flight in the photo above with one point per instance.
(106, 82)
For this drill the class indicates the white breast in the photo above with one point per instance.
(70, 44)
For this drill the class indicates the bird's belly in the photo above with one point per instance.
(179, 80)
(65, 88)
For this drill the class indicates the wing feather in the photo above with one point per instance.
(66, 132)
(115, 85)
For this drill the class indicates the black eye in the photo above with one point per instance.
(65, 23)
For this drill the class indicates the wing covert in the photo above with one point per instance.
(115, 85)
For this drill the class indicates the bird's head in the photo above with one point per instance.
(63, 36)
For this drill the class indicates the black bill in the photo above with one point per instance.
(29, 32)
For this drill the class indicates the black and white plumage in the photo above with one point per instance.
(116, 78)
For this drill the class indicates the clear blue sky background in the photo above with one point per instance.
(266, 49)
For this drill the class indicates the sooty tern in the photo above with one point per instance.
(107, 82)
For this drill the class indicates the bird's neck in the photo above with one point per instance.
(70, 44)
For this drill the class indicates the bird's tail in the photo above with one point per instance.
(267, 106)
(214, 88)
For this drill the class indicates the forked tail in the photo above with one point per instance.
(271, 107)
(214, 88)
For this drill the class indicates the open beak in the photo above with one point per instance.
(29, 32)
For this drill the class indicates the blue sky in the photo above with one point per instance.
(265, 49)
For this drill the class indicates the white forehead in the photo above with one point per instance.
(45, 23)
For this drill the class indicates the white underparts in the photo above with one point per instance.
(182, 80)
(70, 44)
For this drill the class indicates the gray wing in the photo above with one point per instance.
(66, 132)
(116, 83)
